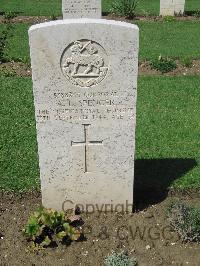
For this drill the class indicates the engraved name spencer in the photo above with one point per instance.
(84, 63)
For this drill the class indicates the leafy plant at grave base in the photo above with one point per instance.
(169, 18)
(53, 17)
(24, 60)
(146, 13)
(162, 64)
(9, 15)
(120, 259)
(186, 61)
(197, 13)
(126, 8)
(48, 227)
(185, 220)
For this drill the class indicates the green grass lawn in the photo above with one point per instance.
(174, 39)
(17, 47)
(39, 7)
(168, 127)
(18, 149)
(53, 7)
(168, 131)
(32, 8)
(156, 38)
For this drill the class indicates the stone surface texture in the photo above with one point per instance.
(81, 9)
(171, 7)
(179, 7)
(85, 87)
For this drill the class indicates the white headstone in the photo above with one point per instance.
(171, 7)
(85, 85)
(81, 9)
(179, 7)
(166, 7)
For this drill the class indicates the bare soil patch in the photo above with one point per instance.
(23, 70)
(41, 19)
(150, 18)
(145, 235)
(145, 69)
(26, 19)
(159, 18)
(15, 68)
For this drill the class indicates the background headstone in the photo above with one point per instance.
(81, 9)
(167, 7)
(179, 7)
(85, 85)
(171, 7)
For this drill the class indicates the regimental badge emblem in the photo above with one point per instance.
(84, 63)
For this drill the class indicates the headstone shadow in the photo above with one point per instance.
(153, 178)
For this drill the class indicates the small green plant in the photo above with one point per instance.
(53, 17)
(25, 60)
(48, 227)
(185, 220)
(9, 15)
(197, 13)
(162, 64)
(186, 61)
(125, 8)
(120, 259)
(169, 18)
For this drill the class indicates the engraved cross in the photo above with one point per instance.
(86, 143)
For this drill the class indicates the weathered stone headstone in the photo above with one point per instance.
(81, 9)
(171, 7)
(84, 83)
(179, 7)
(166, 7)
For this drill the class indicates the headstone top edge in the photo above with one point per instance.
(82, 21)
